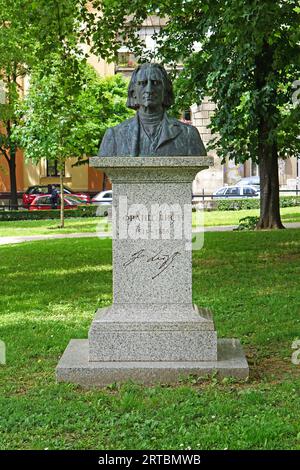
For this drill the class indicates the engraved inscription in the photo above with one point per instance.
(161, 260)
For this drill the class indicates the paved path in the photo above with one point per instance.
(31, 238)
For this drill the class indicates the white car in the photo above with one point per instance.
(103, 200)
(236, 192)
(253, 181)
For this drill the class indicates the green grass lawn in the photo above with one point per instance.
(49, 292)
(45, 227)
(288, 214)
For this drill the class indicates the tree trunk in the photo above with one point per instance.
(267, 146)
(13, 179)
(62, 202)
(269, 190)
(11, 160)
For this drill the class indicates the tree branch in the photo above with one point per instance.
(4, 153)
(60, 35)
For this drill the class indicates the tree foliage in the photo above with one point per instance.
(59, 121)
(33, 32)
(16, 49)
(57, 124)
(244, 54)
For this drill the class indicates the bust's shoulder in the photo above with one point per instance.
(183, 125)
(124, 124)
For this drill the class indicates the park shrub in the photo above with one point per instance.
(82, 211)
(248, 223)
(253, 203)
(290, 201)
(91, 210)
(236, 204)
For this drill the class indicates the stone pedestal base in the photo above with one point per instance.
(75, 367)
(171, 332)
(152, 332)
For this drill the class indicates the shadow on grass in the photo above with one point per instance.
(49, 292)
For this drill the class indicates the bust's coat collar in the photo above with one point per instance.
(170, 130)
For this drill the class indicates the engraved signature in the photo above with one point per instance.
(165, 260)
(139, 254)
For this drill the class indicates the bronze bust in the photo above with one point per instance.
(151, 132)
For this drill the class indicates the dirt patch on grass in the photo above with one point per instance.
(279, 258)
(272, 368)
(289, 257)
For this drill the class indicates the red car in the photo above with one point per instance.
(43, 203)
(34, 191)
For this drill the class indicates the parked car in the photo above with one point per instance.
(236, 192)
(44, 202)
(42, 190)
(103, 200)
(249, 181)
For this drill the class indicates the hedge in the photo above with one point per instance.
(82, 211)
(253, 203)
(239, 204)
(90, 210)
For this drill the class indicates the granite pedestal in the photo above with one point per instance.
(152, 332)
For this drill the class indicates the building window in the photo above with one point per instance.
(186, 116)
(147, 36)
(126, 59)
(52, 168)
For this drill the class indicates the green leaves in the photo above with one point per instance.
(248, 50)
(60, 120)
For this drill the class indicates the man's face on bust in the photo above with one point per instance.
(149, 89)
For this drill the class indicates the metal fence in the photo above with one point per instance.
(6, 205)
(204, 197)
